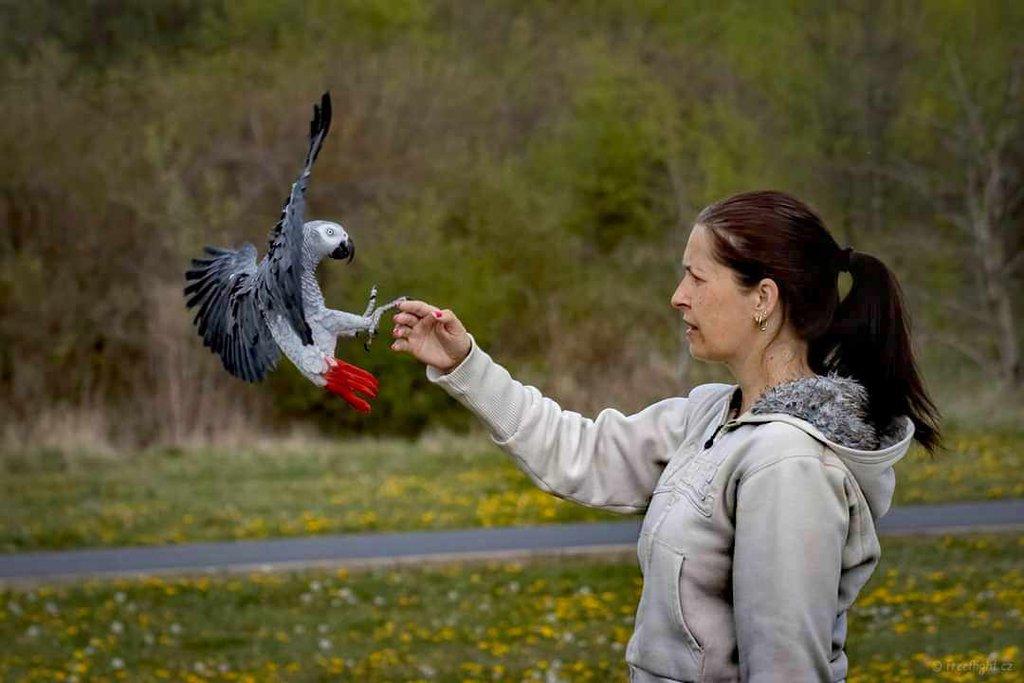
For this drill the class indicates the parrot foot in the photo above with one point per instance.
(345, 379)
(376, 315)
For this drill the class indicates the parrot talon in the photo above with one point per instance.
(374, 316)
(372, 303)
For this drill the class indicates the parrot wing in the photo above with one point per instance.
(230, 320)
(279, 287)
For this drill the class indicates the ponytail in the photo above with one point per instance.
(869, 340)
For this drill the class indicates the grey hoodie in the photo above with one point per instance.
(758, 532)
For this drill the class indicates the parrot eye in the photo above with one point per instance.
(330, 232)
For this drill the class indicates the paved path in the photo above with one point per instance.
(429, 546)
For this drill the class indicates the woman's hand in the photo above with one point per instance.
(431, 335)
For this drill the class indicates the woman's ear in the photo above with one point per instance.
(767, 296)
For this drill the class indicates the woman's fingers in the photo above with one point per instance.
(451, 325)
(405, 319)
(445, 317)
(418, 308)
(426, 331)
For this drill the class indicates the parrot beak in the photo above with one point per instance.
(345, 250)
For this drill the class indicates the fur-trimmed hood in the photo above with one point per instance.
(833, 410)
(838, 406)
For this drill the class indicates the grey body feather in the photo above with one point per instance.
(325, 324)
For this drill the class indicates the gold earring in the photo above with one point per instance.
(762, 321)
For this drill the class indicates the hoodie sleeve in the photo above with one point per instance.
(791, 525)
(611, 462)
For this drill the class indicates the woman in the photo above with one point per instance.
(760, 497)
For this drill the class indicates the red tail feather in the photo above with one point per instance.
(345, 379)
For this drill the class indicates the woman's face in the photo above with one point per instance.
(719, 315)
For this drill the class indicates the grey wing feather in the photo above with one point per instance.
(279, 281)
(229, 319)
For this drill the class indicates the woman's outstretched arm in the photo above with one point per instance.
(611, 462)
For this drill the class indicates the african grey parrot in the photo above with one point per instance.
(248, 313)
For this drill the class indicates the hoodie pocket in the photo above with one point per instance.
(662, 642)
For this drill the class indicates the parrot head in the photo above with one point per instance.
(330, 239)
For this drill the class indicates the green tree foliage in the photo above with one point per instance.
(532, 166)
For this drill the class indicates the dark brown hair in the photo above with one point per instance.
(866, 336)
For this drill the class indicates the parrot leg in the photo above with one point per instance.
(345, 380)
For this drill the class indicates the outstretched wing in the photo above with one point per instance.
(279, 286)
(223, 287)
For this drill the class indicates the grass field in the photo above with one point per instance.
(53, 500)
(951, 608)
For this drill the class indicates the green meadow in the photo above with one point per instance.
(939, 608)
(53, 500)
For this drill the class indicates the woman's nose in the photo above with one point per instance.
(678, 300)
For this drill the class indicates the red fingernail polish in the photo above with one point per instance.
(437, 314)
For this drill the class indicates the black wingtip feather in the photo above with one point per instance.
(325, 109)
(221, 291)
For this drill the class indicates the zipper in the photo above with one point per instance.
(725, 414)
(711, 441)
